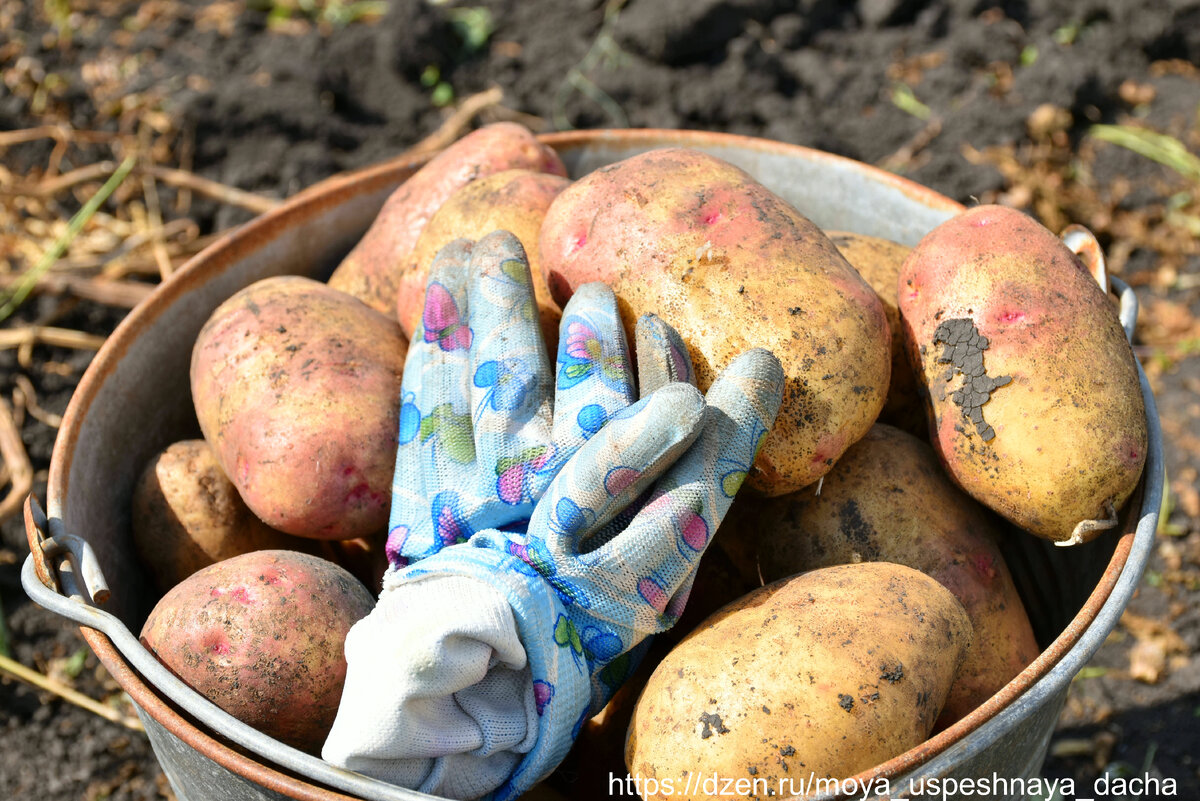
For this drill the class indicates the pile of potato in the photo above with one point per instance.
(929, 393)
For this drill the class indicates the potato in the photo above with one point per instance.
(829, 672)
(732, 266)
(261, 635)
(297, 389)
(878, 261)
(887, 500)
(513, 200)
(187, 515)
(1036, 402)
(372, 271)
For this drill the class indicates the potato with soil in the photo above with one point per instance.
(732, 266)
(888, 500)
(879, 261)
(188, 515)
(261, 636)
(1036, 403)
(379, 268)
(515, 201)
(297, 389)
(832, 671)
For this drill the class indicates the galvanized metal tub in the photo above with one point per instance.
(134, 400)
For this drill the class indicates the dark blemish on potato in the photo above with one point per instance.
(891, 674)
(963, 348)
(856, 529)
(712, 723)
(741, 290)
(752, 770)
(845, 702)
(793, 310)
(869, 699)
(787, 751)
(766, 709)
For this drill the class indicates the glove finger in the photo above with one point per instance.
(594, 377)
(511, 382)
(612, 468)
(654, 559)
(436, 447)
(662, 358)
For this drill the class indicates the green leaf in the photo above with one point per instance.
(443, 95)
(74, 665)
(473, 25)
(1091, 672)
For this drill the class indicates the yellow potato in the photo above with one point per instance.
(878, 261)
(188, 515)
(887, 499)
(829, 672)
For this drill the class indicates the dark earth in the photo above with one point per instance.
(983, 101)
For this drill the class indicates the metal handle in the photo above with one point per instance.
(78, 574)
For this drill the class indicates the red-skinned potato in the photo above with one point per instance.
(377, 270)
(188, 515)
(888, 500)
(297, 389)
(827, 673)
(1036, 404)
(514, 201)
(879, 261)
(261, 636)
(732, 266)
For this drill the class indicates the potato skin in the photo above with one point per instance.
(832, 671)
(1056, 429)
(371, 271)
(732, 266)
(515, 201)
(879, 261)
(261, 636)
(297, 389)
(888, 500)
(188, 515)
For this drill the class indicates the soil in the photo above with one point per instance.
(983, 101)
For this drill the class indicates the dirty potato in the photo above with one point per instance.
(1036, 402)
(297, 389)
(878, 261)
(732, 266)
(829, 672)
(261, 636)
(888, 500)
(188, 515)
(374, 271)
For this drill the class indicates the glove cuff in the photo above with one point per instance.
(558, 667)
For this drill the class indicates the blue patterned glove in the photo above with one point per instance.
(484, 426)
(480, 663)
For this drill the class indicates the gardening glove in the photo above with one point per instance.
(479, 664)
(483, 424)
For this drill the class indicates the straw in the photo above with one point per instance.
(18, 295)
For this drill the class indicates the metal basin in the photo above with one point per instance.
(134, 400)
